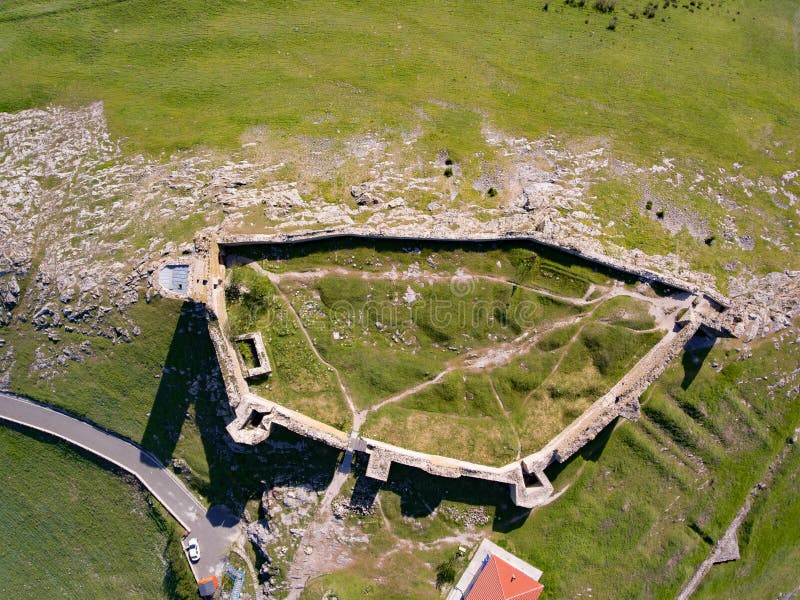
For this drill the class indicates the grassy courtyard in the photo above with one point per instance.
(478, 351)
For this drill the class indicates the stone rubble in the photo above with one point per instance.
(287, 510)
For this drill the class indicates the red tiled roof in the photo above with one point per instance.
(498, 580)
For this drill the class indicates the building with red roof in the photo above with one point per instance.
(498, 580)
(496, 574)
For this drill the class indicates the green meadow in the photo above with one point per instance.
(61, 539)
(403, 324)
(716, 83)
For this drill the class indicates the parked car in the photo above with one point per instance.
(193, 550)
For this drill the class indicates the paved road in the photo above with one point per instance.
(215, 528)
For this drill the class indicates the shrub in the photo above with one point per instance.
(649, 204)
(605, 6)
(448, 172)
(710, 240)
(491, 192)
(660, 214)
(446, 572)
(650, 10)
(612, 25)
(448, 161)
(546, 6)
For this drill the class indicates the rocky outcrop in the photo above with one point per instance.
(82, 223)
(763, 305)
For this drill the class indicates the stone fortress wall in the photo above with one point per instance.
(252, 416)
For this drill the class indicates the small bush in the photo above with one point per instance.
(448, 161)
(710, 240)
(649, 205)
(448, 172)
(612, 25)
(660, 214)
(491, 192)
(546, 6)
(650, 10)
(446, 572)
(605, 6)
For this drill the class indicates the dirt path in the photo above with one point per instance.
(427, 277)
(315, 552)
(507, 415)
(564, 352)
(412, 390)
(478, 360)
(491, 357)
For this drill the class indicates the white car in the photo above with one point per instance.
(193, 550)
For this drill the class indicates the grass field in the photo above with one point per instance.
(521, 262)
(299, 380)
(513, 408)
(173, 75)
(393, 315)
(143, 390)
(658, 493)
(768, 544)
(115, 387)
(385, 344)
(63, 539)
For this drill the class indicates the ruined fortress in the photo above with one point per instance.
(252, 416)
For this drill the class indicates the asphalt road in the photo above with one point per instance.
(215, 528)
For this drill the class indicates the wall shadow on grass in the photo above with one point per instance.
(694, 355)
(185, 360)
(191, 387)
(421, 493)
(591, 451)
